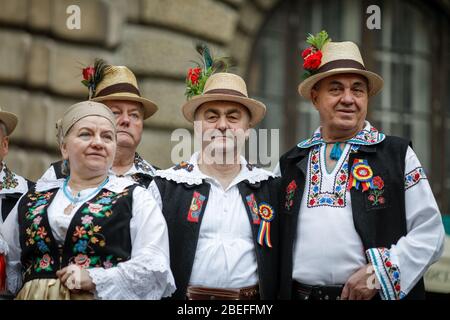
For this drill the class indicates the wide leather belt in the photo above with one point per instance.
(302, 291)
(204, 293)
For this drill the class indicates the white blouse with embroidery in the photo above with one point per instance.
(10, 183)
(146, 275)
(225, 255)
(328, 250)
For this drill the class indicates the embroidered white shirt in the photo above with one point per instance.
(225, 255)
(146, 275)
(328, 249)
(10, 183)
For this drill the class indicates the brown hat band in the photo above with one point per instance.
(226, 91)
(341, 63)
(118, 87)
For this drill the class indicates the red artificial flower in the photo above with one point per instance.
(88, 73)
(307, 52)
(194, 74)
(378, 182)
(312, 62)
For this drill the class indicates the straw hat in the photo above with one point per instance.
(119, 83)
(224, 86)
(338, 58)
(9, 119)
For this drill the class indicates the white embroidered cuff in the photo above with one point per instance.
(387, 273)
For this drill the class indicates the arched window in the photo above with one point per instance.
(410, 52)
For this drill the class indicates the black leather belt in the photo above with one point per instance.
(302, 291)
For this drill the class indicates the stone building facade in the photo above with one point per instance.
(41, 61)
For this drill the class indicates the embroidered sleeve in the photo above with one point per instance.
(387, 273)
(414, 172)
(413, 177)
(147, 274)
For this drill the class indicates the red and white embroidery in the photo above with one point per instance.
(316, 198)
(413, 177)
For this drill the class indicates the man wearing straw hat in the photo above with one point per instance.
(116, 87)
(352, 223)
(223, 225)
(12, 186)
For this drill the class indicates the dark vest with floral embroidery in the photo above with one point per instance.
(98, 235)
(378, 226)
(179, 200)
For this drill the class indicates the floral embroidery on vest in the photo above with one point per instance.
(87, 235)
(413, 177)
(290, 193)
(37, 234)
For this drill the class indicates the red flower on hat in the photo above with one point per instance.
(312, 55)
(307, 52)
(312, 61)
(194, 74)
(88, 73)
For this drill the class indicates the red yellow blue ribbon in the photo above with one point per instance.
(360, 174)
(267, 214)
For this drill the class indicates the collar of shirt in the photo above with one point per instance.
(115, 184)
(189, 172)
(11, 182)
(369, 135)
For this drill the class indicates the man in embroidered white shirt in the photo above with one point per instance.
(117, 87)
(223, 226)
(12, 186)
(351, 222)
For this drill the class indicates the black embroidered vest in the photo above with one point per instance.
(98, 235)
(381, 225)
(183, 208)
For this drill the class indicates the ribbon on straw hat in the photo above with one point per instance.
(325, 58)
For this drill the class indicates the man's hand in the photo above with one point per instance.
(75, 278)
(362, 285)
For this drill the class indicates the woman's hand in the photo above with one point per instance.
(76, 278)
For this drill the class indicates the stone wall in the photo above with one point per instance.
(41, 61)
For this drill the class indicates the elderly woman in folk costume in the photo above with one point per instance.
(92, 235)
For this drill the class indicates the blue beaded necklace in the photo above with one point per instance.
(74, 200)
